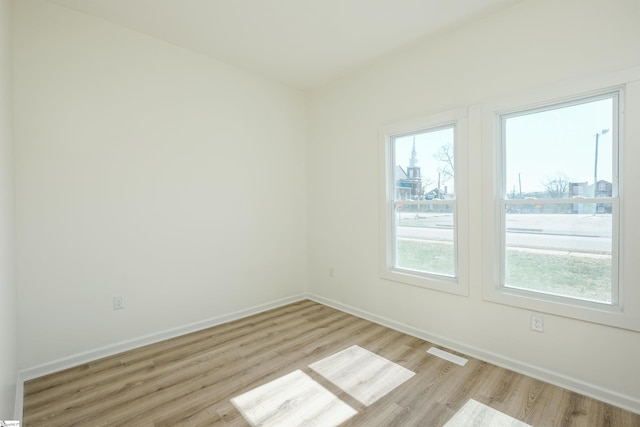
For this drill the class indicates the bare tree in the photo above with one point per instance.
(445, 155)
(556, 188)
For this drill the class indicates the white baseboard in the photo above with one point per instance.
(88, 356)
(629, 403)
(17, 411)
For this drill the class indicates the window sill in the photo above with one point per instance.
(451, 285)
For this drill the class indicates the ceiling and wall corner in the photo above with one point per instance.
(301, 43)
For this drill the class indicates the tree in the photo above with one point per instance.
(556, 188)
(445, 155)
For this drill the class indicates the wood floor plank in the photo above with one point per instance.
(190, 380)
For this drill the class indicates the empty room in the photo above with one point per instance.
(322, 213)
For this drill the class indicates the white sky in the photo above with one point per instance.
(539, 146)
(558, 142)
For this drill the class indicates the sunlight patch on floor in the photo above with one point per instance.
(362, 374)
(292, 400)
(476, 414)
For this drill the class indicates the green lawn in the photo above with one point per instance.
(573, 275)
(422, 255)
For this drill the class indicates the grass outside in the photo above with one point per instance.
(573, 275)
(426, 255)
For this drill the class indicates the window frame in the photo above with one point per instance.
(617, 95)
(626, 314)
(457, 284)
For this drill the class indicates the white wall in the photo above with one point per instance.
(147, 171)
(532, 44)
(8, 306)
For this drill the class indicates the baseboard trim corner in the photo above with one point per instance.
(19, 402)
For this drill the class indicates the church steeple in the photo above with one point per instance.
(413, 174)
(413, 162)
(413, 171)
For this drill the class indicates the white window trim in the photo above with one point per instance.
(627, 313)
(458, 285)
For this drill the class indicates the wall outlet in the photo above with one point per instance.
(118, 302)
(537, 323)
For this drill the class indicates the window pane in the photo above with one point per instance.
(560, 249)
(425, 238)
(560, 152)
(424, 165)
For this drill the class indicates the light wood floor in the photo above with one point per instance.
(189, 380)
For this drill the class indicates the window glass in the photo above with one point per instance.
(559, 203)
(423, 217)
(560, 152)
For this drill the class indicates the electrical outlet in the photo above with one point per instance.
(118, 302)
(537, 323)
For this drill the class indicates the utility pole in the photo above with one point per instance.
(595, 167)
(520, 184)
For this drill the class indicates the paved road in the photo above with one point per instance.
(579, 233)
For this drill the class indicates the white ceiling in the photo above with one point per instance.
(302, 43)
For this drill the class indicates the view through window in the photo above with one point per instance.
(560, 200)
(424, 201)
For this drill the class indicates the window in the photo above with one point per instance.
(559, 201)
(420, 236)
(423, 208)
(560, 194)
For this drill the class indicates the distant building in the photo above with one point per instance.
(583, 189)
(578, 189)
(434, 194)
(603, 189)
